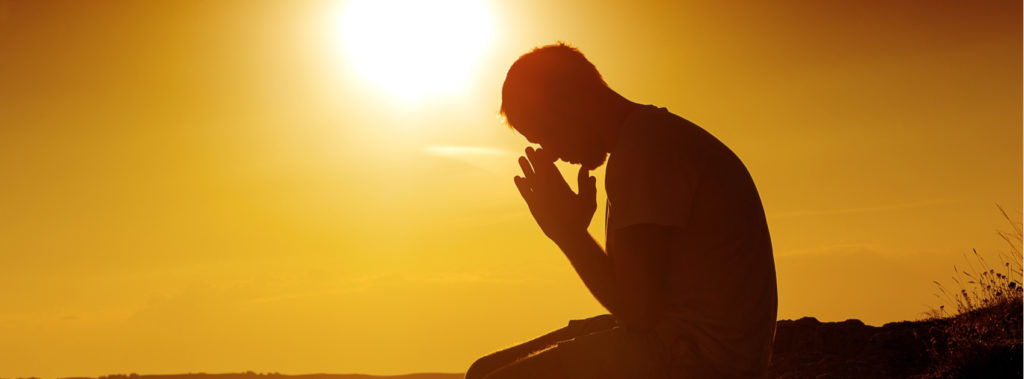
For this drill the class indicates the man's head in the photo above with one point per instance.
(554, 96)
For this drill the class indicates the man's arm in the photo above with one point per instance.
(629, 281)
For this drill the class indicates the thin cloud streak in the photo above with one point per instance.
(854, 210)
(464, 151)
(489, 159)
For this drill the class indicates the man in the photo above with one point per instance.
(688, 275)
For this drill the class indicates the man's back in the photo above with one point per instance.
(721, 290)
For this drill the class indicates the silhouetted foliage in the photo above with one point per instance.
(985, 337)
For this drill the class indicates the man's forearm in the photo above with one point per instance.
(594, 267)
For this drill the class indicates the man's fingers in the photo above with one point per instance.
(582, 181)
(543, 155)
(592, 189)
(524, 188)
(586, 184)
(542, 163)
(525, 165)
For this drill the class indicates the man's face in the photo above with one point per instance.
(567, 140)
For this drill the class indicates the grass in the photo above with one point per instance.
(982, 285)
(982, 337)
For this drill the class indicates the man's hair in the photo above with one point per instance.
(545, 74)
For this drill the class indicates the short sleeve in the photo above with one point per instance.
(651, 179)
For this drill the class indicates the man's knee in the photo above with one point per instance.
(540, 366)
(488, 364)
(590, 325)
(479, 369)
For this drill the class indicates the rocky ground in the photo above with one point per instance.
(982, 344)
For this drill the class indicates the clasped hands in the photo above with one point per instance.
(559, 211)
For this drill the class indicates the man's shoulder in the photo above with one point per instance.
(653, 125)
(651, 117)
(654, 135)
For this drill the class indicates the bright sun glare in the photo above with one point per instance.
(414, 48)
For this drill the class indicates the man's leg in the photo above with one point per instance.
(612, 354)
(576, 328)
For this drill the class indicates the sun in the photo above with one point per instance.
(415, 48)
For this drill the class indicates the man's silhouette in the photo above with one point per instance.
(688, 275)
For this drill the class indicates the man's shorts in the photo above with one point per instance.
(605, 353)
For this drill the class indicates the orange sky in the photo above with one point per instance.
(196, 186)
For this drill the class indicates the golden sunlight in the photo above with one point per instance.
(413, 48)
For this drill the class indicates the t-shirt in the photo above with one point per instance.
(722, 298)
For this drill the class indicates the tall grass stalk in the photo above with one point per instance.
(981, 284)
